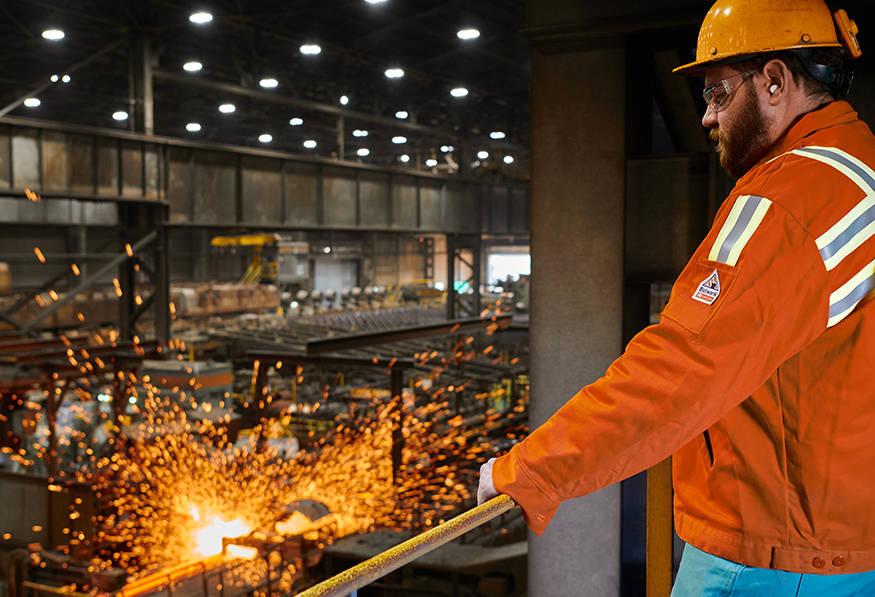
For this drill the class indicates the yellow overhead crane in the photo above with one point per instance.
(275, 260)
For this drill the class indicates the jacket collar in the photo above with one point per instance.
(833, 113)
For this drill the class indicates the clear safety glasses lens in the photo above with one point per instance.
(715, 95)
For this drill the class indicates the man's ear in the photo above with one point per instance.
(777, 79)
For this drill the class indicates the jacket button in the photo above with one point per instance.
(838, 561)
(818, 562)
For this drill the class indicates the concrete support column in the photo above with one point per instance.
(577, 196)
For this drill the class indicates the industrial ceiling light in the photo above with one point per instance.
(53, 34)
(508, 159)
(227, 108)
(360, 133)
(193, 127)
(32, 102)
(375, 1)
(363, 151)
(459, 92)
(265, 138)
(310, 49)
(497, 135)
(468, 34)
(482, 154)
(394, 73)
(296, 121)
(65, 79)
(446, 148)
(431, 163)
(120, 115)
(268, 83)
(401, 114)
(192, 66)
(310, 144)
(344, 100)
(200, 18)
(399, 140)
(404, 158)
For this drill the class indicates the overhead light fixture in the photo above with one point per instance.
(200, 18)
(399, 140)
(508, 159)
(53, 34)
(363, 151)
(468, 34)
(309, 144)
(193, 127)
(344, 100)
(375, 1)
(32, 102)
(227, 108)
(446, 148)
(268, 83)
(310, 49)
(360, 133)
(404, 158)
(54, 78)
(326, 250)
(459, 92)
(497, 135)
(431, 163)
(265, 138)
(394, 73)
(65, 79)
(120, 115)
(401, 114)
(192, 66)
(482, 154)
(296, 121)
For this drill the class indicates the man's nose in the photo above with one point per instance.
(709, 120)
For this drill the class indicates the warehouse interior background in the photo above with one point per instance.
(276, 277)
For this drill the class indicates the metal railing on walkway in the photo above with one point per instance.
(349, 581)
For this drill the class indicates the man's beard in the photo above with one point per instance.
(745, 139)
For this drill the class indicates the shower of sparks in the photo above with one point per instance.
(39, 255)
(175, 496)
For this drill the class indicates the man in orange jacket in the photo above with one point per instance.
(759, 376)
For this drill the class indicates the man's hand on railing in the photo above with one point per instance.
(486, 490)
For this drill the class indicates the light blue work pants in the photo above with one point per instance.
(704, 575)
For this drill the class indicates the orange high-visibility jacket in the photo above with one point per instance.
(759, 378)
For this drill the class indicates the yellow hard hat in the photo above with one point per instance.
(734, 29)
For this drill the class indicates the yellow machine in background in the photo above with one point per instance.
(275, 260)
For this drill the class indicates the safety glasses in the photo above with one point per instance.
(715, 95)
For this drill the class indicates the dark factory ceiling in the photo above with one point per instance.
(249, 45)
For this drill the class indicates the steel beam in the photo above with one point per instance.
(49, 311)
(347, 341)
(268, 356)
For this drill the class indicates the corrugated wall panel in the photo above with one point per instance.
(374, 199)
(261, 188)
(339, 197)
(26, 159)
(215, 187)
(404, 208)
(301, 183)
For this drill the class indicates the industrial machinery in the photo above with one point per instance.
(275, 260)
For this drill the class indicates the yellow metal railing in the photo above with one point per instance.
(390, 560)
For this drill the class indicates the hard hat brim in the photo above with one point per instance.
(698, 67)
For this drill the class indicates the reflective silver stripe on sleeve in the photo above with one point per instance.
(843, 301)
(743, 220)
(858, 225)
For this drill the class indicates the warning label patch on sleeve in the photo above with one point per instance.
(708, 289)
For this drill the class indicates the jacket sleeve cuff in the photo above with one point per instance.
(509, 476)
